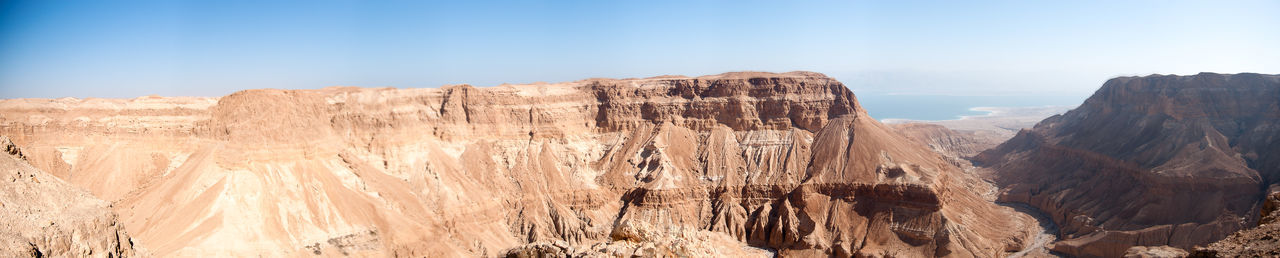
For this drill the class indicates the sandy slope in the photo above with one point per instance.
(41, 215)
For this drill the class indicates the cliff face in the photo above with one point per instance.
(40, 215)
(1146, 161)
(1260, 241)
(666, 165)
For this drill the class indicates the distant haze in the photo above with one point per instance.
(994, 48)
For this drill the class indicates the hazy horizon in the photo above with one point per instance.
(52, 49)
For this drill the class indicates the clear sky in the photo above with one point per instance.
(125, 49)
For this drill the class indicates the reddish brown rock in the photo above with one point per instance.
(1260, 241)
(1148, 161)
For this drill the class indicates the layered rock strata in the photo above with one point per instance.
(1149, 161)
(1260, 241)
(783, 162)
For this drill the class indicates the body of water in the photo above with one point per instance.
(943, 107)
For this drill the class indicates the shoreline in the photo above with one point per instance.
(992, 112)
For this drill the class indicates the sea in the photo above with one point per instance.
(883, 106)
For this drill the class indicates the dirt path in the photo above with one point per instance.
(1048, 232)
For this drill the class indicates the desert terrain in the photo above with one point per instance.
(1159, 160)
(744, 164)
(733, 164)
(967, 136)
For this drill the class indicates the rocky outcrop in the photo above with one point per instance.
(665, 165)
(40, 215)
(1163, 251)
(1260, 241)
(689, 244)
(1149, 161)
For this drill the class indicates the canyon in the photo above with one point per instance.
(1158, 160)
(743, 164)
(736, 164)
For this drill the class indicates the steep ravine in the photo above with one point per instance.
(957, 146)
(1046, 232)
(1148, 162)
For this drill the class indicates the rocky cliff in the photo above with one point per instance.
(1149, 161)
(1260, 241)
(41, 215)
(707, 166)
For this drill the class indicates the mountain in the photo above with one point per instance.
(1149, 161)
(725, 165)
(41, 215)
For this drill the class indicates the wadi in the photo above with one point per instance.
(734, 164)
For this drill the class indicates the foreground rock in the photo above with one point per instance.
(1163, 251)
(1149, 161)
(666, 165)
(40, 215)
(1260, 241)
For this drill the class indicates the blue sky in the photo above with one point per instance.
(124, 49)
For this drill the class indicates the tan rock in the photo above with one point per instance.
(660, 166)
(41, 215)
(952, 143)
(1163, 251)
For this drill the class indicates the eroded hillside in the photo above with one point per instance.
(43, 216)
(1149, 161)
(719, 165)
